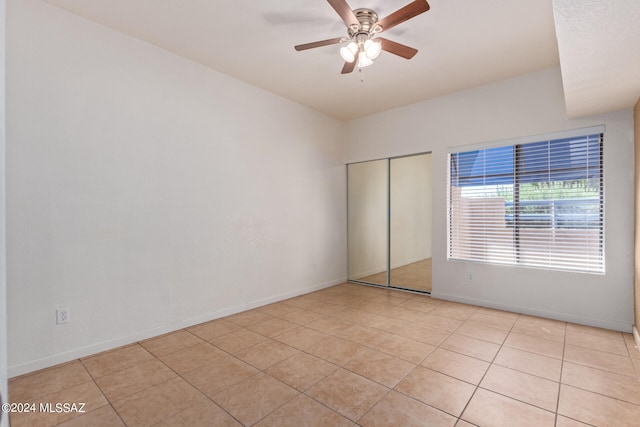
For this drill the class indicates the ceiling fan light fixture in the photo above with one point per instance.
(362, 26)
(349, 52)
(372, 48)
(363, 60)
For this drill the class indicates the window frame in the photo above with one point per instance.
(517, 175)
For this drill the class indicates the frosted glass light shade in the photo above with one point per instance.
(372, 48)
(348, 52)
(363, 60)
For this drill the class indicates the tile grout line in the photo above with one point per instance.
(178, 375)
(564, 347)
(560, 381)
(186, 381)
(338, 367)
(485, 373)
(110, 403)
(299, 393)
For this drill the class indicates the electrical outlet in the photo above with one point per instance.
(62, 316)
(470, 272)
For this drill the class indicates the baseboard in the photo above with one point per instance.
(56, 359)
(565, 317)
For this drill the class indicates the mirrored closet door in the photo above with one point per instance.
(410, 222)
(367, 221)
(389, 220)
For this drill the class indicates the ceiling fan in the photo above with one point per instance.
(362, 25)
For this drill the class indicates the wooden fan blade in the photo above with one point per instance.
(411, 10)
(318, 44)
(348, 67)
(397, 48)
(345, 12)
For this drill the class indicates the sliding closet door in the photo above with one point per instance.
(367, 221)
(410, 222)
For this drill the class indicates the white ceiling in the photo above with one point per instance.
(461, 43)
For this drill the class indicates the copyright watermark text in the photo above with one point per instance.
(48, 407)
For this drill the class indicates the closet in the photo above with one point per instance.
(389, 222)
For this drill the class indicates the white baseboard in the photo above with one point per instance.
(565, 317)
(67, 356)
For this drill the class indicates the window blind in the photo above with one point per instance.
(538, 204)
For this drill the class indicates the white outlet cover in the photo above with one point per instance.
(62, 316)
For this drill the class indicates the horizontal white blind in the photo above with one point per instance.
(537, 204)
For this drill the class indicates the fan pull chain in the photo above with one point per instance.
(361, 75)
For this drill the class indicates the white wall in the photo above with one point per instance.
(519, 107)
(4, 420)
(147, 192)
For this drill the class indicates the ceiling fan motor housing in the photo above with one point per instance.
(368, 19)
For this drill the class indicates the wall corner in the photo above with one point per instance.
(636, 276)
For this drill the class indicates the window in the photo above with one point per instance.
(536, 204)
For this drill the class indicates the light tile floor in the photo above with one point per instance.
(352, 355)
